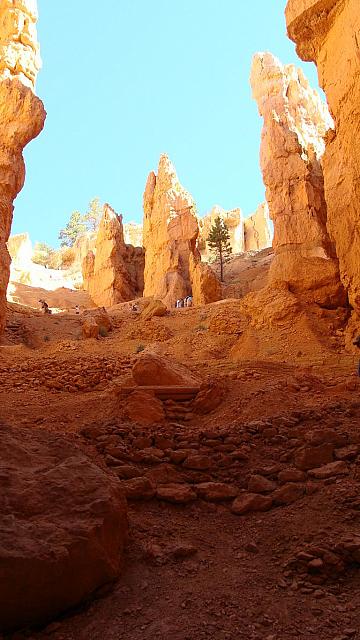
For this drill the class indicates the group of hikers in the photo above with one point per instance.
(184, 302)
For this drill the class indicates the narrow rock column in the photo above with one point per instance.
(292, 143)
(22, 114)
(170, 233)
(110, 274)
(327, 33)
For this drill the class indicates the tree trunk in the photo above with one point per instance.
(221, 265)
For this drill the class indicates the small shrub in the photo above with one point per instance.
(201, 327)
(139, 348)
(103, 332)
(68, 258)
(46, 338)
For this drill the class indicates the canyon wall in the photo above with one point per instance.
(22, 114)
(257, 229)
(327, 33)
(292, 144)
(113, 272)
(170, 233)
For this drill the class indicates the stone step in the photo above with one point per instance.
(176, 393)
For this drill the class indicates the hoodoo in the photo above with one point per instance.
(114, 272)
(170, 232)
(22, 115)
(292, 144)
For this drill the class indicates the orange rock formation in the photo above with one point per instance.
(205, 284)
(327, 33)
(22, 114)
(114, 272)
(170, 233)
(295, 124)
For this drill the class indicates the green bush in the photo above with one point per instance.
(103, 332)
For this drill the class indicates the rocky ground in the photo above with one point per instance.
(243, 521)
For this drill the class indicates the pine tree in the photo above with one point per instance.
(73, 229)
(43, 254)
(93, 215)
(219, 243)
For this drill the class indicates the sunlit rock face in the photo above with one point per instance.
(133, 234)
(257, 229)
(113, 272)
(20, 249)
(205, 284)
(292, 144)
(234, 221)
(22, 114)
(170, 233)
(327, 33)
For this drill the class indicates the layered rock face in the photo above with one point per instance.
(22, 114)
(114, 272)
(326, 32)
(292, 144)
(235, 224)
(170, 233)
(257, 229)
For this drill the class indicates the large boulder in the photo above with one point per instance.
(152, 369)
(155, 308)
(95, 321)
(206, 286)
(63, 527)
(142, 407)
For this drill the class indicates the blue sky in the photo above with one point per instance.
(125, 80)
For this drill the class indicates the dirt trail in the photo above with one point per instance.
(194, 568)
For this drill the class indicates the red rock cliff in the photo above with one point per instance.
(327, 33)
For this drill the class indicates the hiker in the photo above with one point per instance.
(189, 301)
(357, 344)
(45, 307)
(77, 309)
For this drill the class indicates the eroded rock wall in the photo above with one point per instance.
(170, 233)
(22, 114)
(113, 272)
(257, 229)
(292, 144)
(327, 33)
